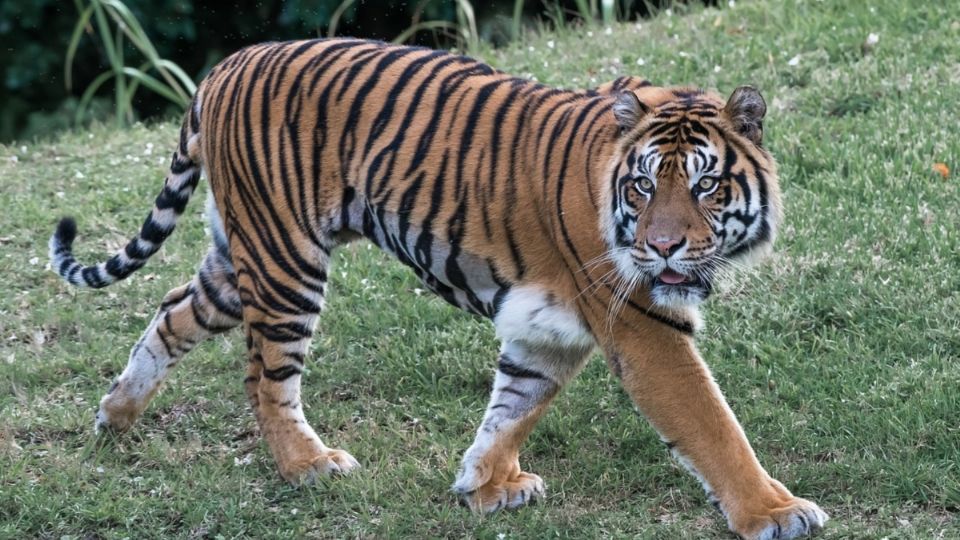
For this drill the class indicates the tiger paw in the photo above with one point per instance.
(522, 489)
(327, 462)
(795, 519)
(116, 413)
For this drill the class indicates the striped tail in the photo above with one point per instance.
(180, 183)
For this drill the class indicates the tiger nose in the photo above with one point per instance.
(665, 245)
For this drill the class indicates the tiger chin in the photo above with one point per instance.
(573, 220)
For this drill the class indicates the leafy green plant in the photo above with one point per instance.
(609, 11)
(335, 18)
(463, 31)
(116, 26)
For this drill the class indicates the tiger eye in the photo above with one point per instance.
(706, 183)
(645, 184)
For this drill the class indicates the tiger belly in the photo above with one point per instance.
(521, 312)
(462, 279)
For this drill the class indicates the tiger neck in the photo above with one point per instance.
(571, 139)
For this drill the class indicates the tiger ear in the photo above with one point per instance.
(628, 110)
(745, 110)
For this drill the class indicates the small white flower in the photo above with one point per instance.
(546, 64)
(608, 31)
(872, 39)
(501, 536)
(716, 69)
(99, 470)
(732, 4)
(589, 33)
(683, 54)
(531, 49)
(23, 149)
(79, 175)
(794, 61)
(294, 511)
(14, 159)
(551, 44)
(638, 27)
(34, 261)
(669, 12)
(641, 61)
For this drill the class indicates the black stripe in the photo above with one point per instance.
(282, 332)
(514, 391)
(507, 367)
(230, 309)
(282, 373)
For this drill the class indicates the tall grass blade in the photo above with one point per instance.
(404, 36)
(608, 11)
(335, 18)
(583, 9)
(74, 42)
(87, 96)
(516, 21)
(467, 22)
(154, 84)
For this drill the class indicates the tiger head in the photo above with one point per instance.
(693, 191)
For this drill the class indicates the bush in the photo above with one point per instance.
(34, 99)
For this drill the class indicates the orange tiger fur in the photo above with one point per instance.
(570, 218)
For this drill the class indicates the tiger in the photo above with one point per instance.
(574, 220)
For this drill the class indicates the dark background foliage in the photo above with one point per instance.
(196, 34)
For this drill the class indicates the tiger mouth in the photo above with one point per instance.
(671, 278)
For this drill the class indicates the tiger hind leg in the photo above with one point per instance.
(527, 379)
(207, 305)
(280, 311)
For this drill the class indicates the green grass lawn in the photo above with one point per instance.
(840, 355)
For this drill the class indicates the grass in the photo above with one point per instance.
(841, 355)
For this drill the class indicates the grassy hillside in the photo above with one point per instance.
(841, 355)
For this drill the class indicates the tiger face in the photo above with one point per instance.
(692, 190)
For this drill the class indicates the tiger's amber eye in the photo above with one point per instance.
(706, 183)
(645, 184)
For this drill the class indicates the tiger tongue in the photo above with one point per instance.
(672, 278)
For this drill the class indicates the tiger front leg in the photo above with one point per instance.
(527, 379)
(666, 378)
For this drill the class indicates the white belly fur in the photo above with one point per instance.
(529, 315)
